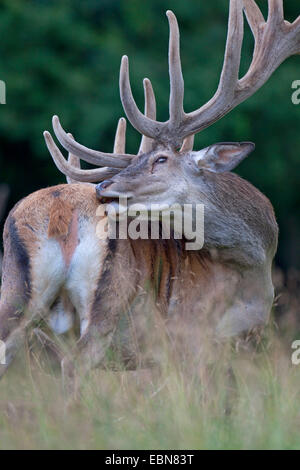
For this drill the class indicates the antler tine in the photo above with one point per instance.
(175, 72)
(275, 14)
(120, 137)
(73, 161)
(91, 156)
(254, 18)
(140, 122)
(150, 112)
(176, 82)
(295, 28)
(188, 144)
(232, 59)
(276, 41)
(219, 105)
(87, 176)
(296, 23)
(166, 132)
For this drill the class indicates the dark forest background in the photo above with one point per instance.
(62, 57)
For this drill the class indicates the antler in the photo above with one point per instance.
(71, 168)
(150, 111)
(74, 162)
(85, 176)
(91, 156)
(275, 41)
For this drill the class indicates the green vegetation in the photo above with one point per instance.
(252, 405)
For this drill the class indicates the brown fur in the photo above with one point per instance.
(63, 226)
(60, 218)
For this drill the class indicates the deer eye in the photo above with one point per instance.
(161, 160)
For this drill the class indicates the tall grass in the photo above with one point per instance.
(248, 398)
(256, 405)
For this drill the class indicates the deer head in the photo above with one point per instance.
(166, 168)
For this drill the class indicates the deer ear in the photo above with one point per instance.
(223, 156)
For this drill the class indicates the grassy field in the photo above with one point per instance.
(248, 399)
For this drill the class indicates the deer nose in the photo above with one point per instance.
(101, 186)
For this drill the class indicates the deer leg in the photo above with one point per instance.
(29, 286)
(252, 303)
(90, 352)
(48, 342)
(113, 293)
(96, 336)
(15, 293)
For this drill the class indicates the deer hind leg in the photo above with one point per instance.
(27, 289)
(15, 292)
(110, 291)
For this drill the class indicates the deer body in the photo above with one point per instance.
(54, 260)
(56, 268)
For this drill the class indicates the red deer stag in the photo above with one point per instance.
(51, 247)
